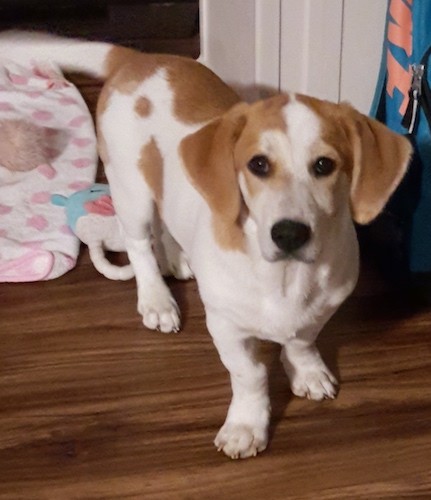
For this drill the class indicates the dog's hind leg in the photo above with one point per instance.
(170, 256)
(134, 205)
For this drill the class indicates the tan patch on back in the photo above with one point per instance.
(151, 166)
(117, 58)
(126, 69)
(143, 107)
(198, 94)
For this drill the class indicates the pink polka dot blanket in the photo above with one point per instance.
(35, 240)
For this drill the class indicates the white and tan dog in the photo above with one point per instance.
(260, 197)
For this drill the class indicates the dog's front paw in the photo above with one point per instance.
(160, 311)
(240, 440)
(314, 383)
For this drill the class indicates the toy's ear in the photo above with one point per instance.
(380, 160)
(59, 200)
(209, 162)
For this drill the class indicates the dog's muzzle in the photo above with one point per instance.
(290, 235)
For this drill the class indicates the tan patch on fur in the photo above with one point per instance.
(374, 158)
(267, 114)
(209, 163)
(198, 94)
(263, 116)
(151, 166)
(135, 68)
(277, 180)
(334, 132)
(143, 107)
(126, 69)
(117, 58)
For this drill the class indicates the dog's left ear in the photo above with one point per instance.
(380, 160)
(209, 162)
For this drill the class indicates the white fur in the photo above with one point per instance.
(303, 129)
(72, 55)
(246, 295)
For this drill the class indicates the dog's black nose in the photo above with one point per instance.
(290, 235)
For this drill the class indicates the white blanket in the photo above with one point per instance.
(35, 242)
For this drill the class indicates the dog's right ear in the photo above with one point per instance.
(209, 163)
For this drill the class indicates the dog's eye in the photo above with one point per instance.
(323, 167)
(259, 165)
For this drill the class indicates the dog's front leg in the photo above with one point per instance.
(308, 374)
(245, 431)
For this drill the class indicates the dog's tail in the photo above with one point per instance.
(102, 264)
(96, 59)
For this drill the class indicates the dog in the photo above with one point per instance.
(260, 198)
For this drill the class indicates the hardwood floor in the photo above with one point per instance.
(92, 405)
(95, 406)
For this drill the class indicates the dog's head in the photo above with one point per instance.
(292, 163)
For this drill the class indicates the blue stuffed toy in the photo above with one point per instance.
(91, 216)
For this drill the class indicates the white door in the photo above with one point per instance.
(327, 48)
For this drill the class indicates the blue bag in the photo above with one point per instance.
(402, 233)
